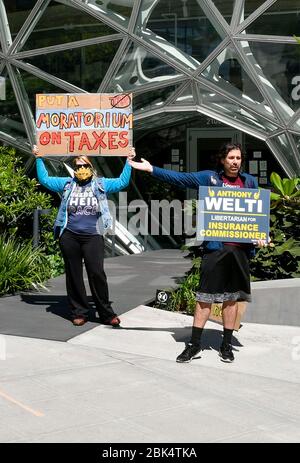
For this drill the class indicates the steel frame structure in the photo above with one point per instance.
(271, 119)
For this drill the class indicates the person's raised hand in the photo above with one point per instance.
(131, 155)
(144, 165)
(263, 243)
(35, 151)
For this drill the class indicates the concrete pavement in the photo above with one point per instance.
(124, 385)
(59, 383)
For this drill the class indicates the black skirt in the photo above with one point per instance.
(225, 276)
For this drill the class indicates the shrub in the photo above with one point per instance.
(183, 299)
(21, 267)
(20, 196)
(283, 259)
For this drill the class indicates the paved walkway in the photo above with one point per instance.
(132, 281)
(124, 386)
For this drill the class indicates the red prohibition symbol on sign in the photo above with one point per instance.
(120, 101)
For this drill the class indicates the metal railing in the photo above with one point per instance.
(36, 224)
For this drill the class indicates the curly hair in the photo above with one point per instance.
(225, 149)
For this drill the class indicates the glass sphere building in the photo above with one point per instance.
(201, 71)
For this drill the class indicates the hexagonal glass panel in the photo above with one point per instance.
(139, 67)
(296, 125)
(11, 122)
(234, 111)
(154, 99)
(61, 24)
(250, 6)
(186, 97)
(285, 153)
(84, 67)
(297, 141)
(225, 7)
(33, 85)
(118, 11)
(282, 18)
(17, 13)
(227, 72)
(182, 24)
(280, 64)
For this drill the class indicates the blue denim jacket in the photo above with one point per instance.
(202, 178)
(65, 185)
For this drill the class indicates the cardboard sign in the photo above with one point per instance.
(216, 314)
(85, 123)
(233, 214)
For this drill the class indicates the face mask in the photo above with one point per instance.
(83, 173)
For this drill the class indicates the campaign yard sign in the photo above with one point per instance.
(233, 214)
(96, 124)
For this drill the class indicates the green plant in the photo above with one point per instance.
(281, 260)
(21, 267)
(19, 195)
(50, 245)
(184, 298)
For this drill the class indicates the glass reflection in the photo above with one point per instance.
(250, 6)
(33, 85)
(183, 24)
(186, 97)
(283, 148)
(84, 67)
(117, 10)
(153, 99)
(282, 18)
(227, 72)
(139, 67)
(62, 24)
(11, 122)
(17, 12)
(297, 141)
(280, 64)
(235, 112)
(225, 7)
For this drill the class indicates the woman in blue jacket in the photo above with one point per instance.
(225, 276)
(82, 219)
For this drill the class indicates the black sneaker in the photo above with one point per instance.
(189, 353)
(226, 353)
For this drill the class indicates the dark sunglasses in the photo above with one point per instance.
(81, 165)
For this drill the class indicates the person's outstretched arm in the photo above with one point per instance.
(113, 185)
(55, 184)
(180, 179)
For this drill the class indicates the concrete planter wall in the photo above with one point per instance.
(275, 302)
